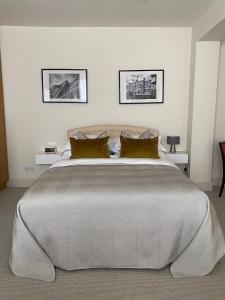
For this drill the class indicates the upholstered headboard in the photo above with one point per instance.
(112, 130)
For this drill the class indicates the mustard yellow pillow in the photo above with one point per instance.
(89, 148)
(139, 148)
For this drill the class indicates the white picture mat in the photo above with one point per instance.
(159, 86)
(83, 85)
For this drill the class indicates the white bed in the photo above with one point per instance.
(114, 213)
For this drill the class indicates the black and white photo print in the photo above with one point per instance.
(64, 86)
(141, 86)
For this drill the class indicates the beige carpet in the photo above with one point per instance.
(104, 284)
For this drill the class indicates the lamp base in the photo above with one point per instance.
(172, 148)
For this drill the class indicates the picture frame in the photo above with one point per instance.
(141, 86)
(64, 86)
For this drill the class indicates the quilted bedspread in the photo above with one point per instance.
(115, 216)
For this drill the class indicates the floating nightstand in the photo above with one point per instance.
(43, 158)
(180, 158)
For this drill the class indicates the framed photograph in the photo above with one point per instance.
(141, 86)
(64, 85)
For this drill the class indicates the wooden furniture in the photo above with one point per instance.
(112, 130)
(222, 151)
(3, 150)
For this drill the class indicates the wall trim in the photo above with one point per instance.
(204, 186)
(216, 181)
(20, 182)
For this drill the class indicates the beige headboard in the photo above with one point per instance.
(112, 130)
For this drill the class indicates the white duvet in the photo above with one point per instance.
(115, 160)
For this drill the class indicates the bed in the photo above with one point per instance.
(114, 213)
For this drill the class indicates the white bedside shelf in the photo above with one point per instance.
(179, 157)
(42, 158)
(47, 159)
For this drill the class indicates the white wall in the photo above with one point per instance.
(204, 104)
(220, 119)
(203, 93)
(103, 51)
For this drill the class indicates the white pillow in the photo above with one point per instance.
(144, 135)
(114, 145)
(66, 150)
(81, 135)
(160, 146)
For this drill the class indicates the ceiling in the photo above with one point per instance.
(101, 12)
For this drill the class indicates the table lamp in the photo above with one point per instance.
(173, 140)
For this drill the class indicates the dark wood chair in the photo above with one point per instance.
(222, 150)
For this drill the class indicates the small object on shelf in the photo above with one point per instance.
(173, 140)
(51, 150)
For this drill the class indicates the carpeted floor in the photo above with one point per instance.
(104, 284)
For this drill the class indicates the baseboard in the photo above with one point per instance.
(2, 186)
(204, 186)
(20, 182)
(217, 181)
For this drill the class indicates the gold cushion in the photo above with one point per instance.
(139, 148)
(89, 148)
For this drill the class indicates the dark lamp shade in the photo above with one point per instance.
(173, 140)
